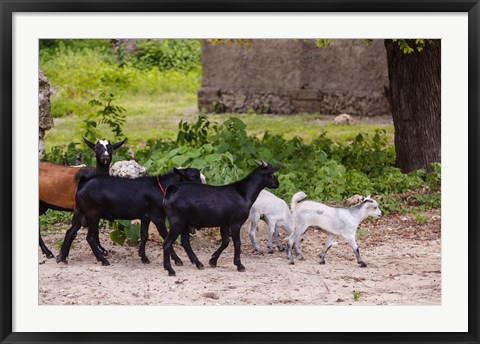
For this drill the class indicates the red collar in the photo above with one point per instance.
(160, 185)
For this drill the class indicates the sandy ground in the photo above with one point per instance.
(404, 268)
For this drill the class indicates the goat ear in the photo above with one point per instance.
(89, 144)
(118, 144)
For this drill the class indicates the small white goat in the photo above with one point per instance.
(332, 220)
(276, 214)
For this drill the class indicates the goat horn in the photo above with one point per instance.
(264, 163)
(257, 162)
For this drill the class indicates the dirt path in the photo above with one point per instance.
(404, 268)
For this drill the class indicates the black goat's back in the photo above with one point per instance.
(205, 205)
(119, 198)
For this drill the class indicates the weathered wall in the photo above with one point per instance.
(45, 120)
(294, 76)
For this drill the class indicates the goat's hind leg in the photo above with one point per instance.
(143, 241)
(92, 240)
(70, 235)
(162, 230)
(225, 240)
(185, 239)
(43, 247)
(327, 246)
(167, 249)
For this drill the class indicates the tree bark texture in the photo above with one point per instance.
(414, 97)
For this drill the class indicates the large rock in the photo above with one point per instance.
(45, 120)
(127, 169)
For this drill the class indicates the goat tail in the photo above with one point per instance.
(297, 198)
(84, 174)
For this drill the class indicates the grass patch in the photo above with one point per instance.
(157, 116)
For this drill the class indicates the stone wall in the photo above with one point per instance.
(295, 76)
(45, 120)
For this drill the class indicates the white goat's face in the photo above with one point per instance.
(371, 207)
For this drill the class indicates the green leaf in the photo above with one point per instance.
(180, 160)
(118, 237)
(223, 147)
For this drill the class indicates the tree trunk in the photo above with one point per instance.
(414, 97)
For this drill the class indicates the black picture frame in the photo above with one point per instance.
(8, 7)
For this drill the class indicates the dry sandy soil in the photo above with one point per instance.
(403, 257)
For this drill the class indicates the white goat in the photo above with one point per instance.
(332, 220)
(275, 212)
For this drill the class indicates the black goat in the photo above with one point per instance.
(58, 183)
(200, 205)
(116, 198)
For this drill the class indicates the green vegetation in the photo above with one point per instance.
(150, 98)
(356, 295)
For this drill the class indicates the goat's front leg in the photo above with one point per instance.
(185, 240)
(252, 232)
(237, 247)
(355, 249)
(225, 240)
(327, 246)
(278, 241)
(289, 241)
(101, 248)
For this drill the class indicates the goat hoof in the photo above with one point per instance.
(212, 263)
(62, 259)
(178, 262)
(281, 249)
(105, 263)
(171, 273)
(322, 262)
(49, 255)
(362, 265)
(291, 262)
(145, 260)
(200, 266)
(270, 251)
(300, 257)
(240, 268)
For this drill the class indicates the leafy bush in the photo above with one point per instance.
(225, 153)
(166, 54)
